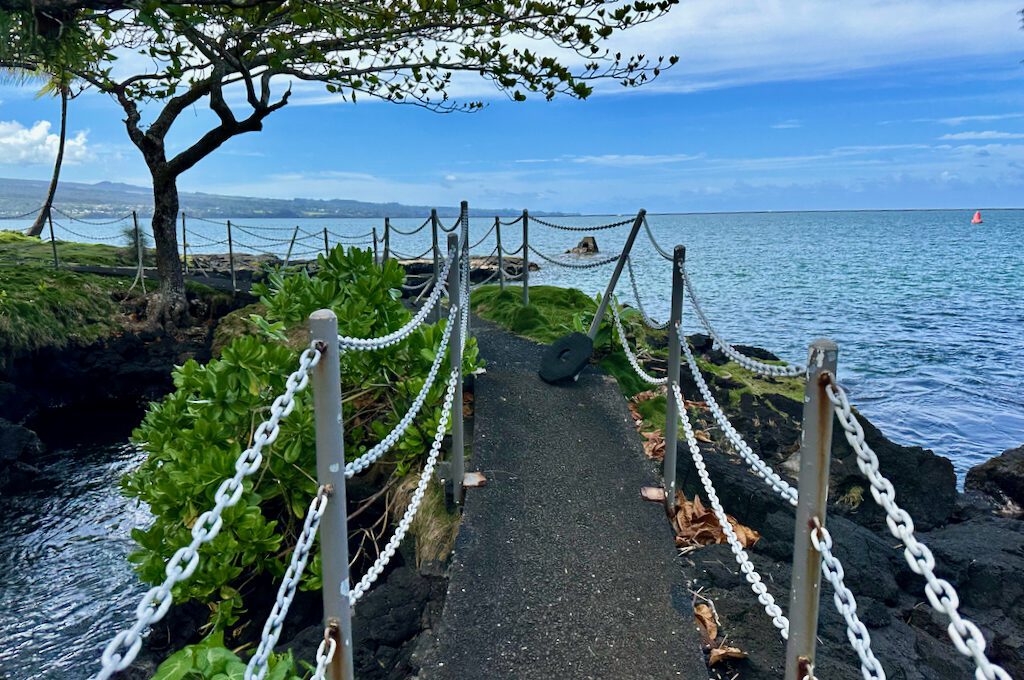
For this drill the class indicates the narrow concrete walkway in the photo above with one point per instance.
(560, 569)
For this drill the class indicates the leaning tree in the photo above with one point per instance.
(241, 58)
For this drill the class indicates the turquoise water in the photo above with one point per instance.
(926, 308)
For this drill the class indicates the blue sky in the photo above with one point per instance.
(775, 105)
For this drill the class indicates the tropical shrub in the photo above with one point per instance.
(210, 660)
(195, 434)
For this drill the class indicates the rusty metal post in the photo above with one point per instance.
(330, 473)
(231, 260)
(815, 457)
(53, 241)
(668, 472)
(387, 237)
(501, 260)
(614, 280)
(437, 263)
(457, 461)
(184, 243)
(526, 257)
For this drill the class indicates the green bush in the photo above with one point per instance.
(210, 660)
(195, 434)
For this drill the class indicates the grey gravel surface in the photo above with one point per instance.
(560, 569)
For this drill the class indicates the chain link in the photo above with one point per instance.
(758, 466)
(35, 211)
(417, 497)
(941, 594)
(411, 232)
(565, 227)
(752, 365)
(324, 655)
(103, 223)
(504, 223)
(483, 238)
(124, 647)
(654, 242)
(413, 257)
(512, 252)
(746, 566)
(393, 338)
(651, 323)
(644, 375)
(567, 265)
(846, 603)
(257, 667)
(92, 237)
(370, 457)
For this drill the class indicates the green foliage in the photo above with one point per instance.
(194, 435)
(210, 660)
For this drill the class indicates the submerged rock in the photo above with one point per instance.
(587, 246)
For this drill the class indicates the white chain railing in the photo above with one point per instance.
(846, 604)
(752, 365)
(941, 594)
(760, 468)
(257, 667)
(324, 655)
(651, 323)
(654, 242)
(395, 337)
(414, 504)
(633, 361)
(746, 566)
(370, 457)
(124, 647)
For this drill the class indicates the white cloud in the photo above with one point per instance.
(982, 135)
(619, 160)
(790, 124)
(20, 145)
(960, 120)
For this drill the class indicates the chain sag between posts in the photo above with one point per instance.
(759, 467)
(125, 646)
(651, 323)
(633, 361)
(746, 566)
(569, 265)
(966, 636)
(752, 365)
(566, 227)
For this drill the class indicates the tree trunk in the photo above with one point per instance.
(37, 227)
(169, 307)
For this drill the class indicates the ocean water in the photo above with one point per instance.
(927, 309)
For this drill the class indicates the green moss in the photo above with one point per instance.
(235, 325)
(752, 383)
(552, 312)
(17, 249)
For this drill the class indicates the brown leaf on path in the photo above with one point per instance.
(723, 653)
(646, 396)
(706, 622)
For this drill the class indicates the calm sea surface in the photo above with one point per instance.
(927, 311)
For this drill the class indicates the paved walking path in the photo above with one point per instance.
(560, 569)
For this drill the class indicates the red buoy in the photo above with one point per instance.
(977, 218)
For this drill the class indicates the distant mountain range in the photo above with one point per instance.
(112, 199)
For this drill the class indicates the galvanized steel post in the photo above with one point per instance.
(330, 472)
(184, 243)
(231, 260)
(376, 253)
(457, 463)
(53, 241)
(437, 264)
(467, 261)
(668, 472)
(526, 257)
(139, 251)
(501, 260)
(291, 244)
(614, 280)
(815, 457)
(387, 237)
(327, 246)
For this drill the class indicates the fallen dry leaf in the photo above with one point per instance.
(654, 445)
(702, 436)
(646, 396)
(723, 653)
(467, 405)
(706, 622)
(696, 525)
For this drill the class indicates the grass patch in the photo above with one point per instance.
(21, 250)
(752, 383)
(552, 312)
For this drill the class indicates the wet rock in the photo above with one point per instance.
(18, 447)
(1002, 479)
(587, 246)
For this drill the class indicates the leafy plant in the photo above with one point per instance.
(195, 434)
(210, 660)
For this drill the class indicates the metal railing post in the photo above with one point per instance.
(231, 260)
(140, 252)
(184, 243)
(288, 256)
(330, 473)
(437, 264)
(376, 252)
(387, 237)
(526, 257)
(53, 241)
(668, 472)
(467, 260)
(457, 461)
(327, 246)
(815, 457)
(501, 260)
(614, 280)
